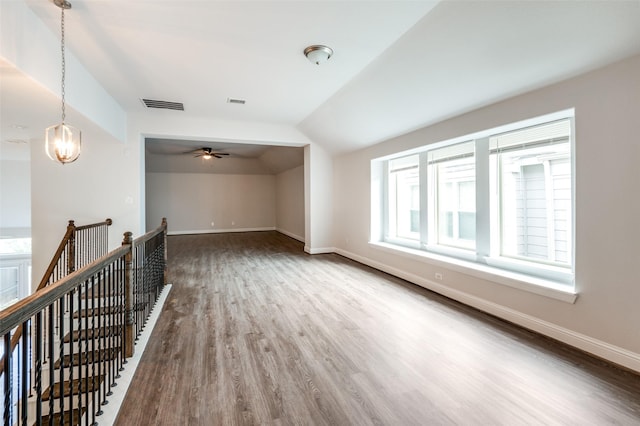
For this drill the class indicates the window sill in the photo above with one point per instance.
(516, 280)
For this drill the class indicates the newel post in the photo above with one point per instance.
(166, 253)
(71, 259)
(129, 334)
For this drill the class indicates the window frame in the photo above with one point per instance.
(488, 251)
(22, 263)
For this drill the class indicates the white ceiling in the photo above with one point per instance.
(398, 65)
(203, 52)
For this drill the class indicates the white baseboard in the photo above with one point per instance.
(221, 231)
(604, 350)
(290, 234)
(319, 250)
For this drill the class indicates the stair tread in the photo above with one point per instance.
(140, 306)
(87, 357)
(66, 416)
(100, 291)
(92, 333)
(77, 386)
(98, 311)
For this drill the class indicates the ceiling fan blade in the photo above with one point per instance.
(222, 153)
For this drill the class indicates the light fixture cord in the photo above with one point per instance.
(63, 64)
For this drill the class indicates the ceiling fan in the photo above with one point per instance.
(207, 153)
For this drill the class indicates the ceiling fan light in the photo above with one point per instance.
(318, 53)
(207, 156)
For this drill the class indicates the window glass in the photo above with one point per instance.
(404, 198)
(15, 269)
(15, 245)
(534, 188)
(452, 173)
(9, 288)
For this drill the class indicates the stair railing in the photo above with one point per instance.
(94, 311)
(79, 246)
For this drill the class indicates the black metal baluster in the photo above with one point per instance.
(115, 315)
(7, 380)
(38, 367)
(93, 348)
(100, 336)
(88, 356)
(138, 286)
(51, 359)
(72, 352)
(123, 316)
(142, 284)
(78, 293)
(61, 357)
(158, 268)
(25, 370)
(45, 335)
(32, 377)
(147, 281)
(110, 342)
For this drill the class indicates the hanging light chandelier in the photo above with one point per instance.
(63, 141)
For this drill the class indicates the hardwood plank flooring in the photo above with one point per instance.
(255, 331)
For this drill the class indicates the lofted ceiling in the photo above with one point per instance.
(398, 65)
(202, 53)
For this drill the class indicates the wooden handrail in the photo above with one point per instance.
(56, 256)
(107, 222)
(32, 304)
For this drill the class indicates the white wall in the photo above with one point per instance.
(290, 203)
(93, 188)
(30, 46)
(15, 198)
(318, 181)
(605, 317)
(191, 201)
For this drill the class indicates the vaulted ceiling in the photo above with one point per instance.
(398, 65)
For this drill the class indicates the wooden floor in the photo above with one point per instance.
(257, 332)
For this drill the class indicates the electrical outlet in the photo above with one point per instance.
(439, 276)
(212, 224)
(233, 222)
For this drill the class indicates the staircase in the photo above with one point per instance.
(79, 330)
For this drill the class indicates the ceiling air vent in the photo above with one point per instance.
(236, 101)
(151, 103)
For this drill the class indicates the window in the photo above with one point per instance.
(453, 180)
(15, 270)
(403, 199)
(502, 198)
(534, 190)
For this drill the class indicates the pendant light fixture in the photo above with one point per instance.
(63, 141)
